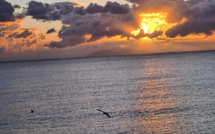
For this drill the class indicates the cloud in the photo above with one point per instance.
(201, 19)
(90, 24)
(47, 12)
(155, 34)
(21, 39)
(7, 31)
(16, 6)
(16, 38)
(91, 27)
(79, 10)
(39, 10)
(9, 28)
(96, 22)
(94, 8)
(111, 7)
(176, 9)
(140, 2)
(199, 15)
(84, 25)
(6, 11)
(205, 26)
(26, 33)
(194, 2)
(2, 49)
(52, 30)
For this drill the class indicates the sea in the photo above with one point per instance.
(143, 94)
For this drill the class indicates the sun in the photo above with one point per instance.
(151, 22)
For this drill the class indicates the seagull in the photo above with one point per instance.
(104, 113)
(32, 111)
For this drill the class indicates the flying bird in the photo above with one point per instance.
(105, 113)
(32, 111)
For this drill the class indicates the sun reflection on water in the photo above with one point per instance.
(157, 103)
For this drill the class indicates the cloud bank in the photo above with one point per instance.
(84, 25)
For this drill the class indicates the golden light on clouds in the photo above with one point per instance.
(79, 4)
(151, 22)
(107, 27)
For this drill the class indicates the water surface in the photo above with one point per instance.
(161, 93)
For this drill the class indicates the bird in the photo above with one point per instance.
(32, 111)
(105, 113)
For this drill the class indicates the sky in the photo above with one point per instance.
(47, 29)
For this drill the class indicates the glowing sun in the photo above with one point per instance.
(151, 22)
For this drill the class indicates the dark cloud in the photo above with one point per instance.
(34, 39)
(116, 8)
(39, 10)
(2, 50)
(194, 2)
(20, 15)
(94, 8)
(96, 25)
(155, 34)
(152, 35)
(9, 28)
(44, 11)
(6, 11)
(24, 34)
(16, 6)
(64, 7)
(52, 30)
(205, 26)
(138, 1)
(111, 7)
(2, 34)
(79, 10)
(201, 19)
(7, 31)
(12, 35)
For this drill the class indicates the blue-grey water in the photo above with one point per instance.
(161, 93)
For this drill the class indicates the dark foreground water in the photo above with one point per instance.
(163, 93)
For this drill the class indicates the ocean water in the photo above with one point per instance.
(161, 93)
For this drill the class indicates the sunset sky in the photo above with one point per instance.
(46, 29)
